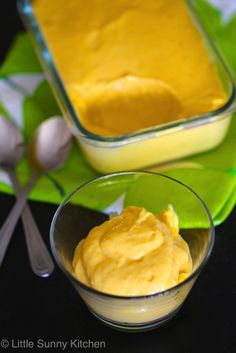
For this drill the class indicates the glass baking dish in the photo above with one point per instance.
(150, 146)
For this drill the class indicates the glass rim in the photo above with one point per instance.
(75, 280)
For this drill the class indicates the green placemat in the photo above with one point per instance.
(26, 99)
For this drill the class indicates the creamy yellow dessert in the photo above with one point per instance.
(134, 253)
(129, 65)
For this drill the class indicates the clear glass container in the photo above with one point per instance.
(92, 203)
(150, 146)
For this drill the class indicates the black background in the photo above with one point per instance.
(33, 308)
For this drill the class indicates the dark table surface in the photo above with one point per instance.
(50, 309)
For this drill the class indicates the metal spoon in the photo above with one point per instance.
(48, 150)
(11, 152)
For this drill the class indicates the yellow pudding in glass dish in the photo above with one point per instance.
(134, 253)
(130, 65)
(140, 83)
(125, 255)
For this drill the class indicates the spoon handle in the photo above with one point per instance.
(40, 259)
(9, 225)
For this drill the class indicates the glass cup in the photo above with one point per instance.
(93, 203)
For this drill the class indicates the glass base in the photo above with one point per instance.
(127, 327)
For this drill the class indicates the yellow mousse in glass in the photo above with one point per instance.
(129, 65)
(134, 253)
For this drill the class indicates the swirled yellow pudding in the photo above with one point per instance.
(129, 65)
(134, 253)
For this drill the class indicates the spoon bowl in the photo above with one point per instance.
(50, 145)
(11, 143)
